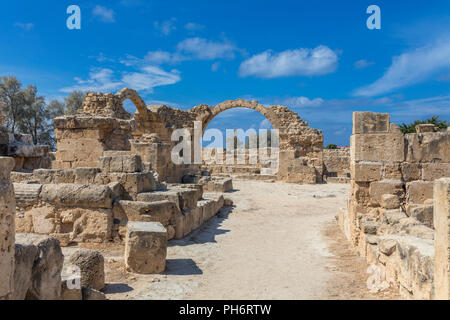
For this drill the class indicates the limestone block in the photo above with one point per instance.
(134, 183)
(378, 188)
(387, 246)
(366, 171)
(411, 171)
(85, 175)
(426, 127)
(43, 219)
(91, 265)
(24, 258)
(392, 171)
(46, 268)
(442, 240)
(419, 191)
(7, 228)
(46, 176)
(434, 171)
(370, 122)
(390, 201)
(121, 163)
(159, 211)
(92, 225)
(428, 147)
(91, 196)
(423, 213)
(145, 247)
(375, 147)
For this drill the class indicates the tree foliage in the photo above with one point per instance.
(331, 146)
(24, 111)
(411, 127)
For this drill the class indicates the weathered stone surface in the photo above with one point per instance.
(7, 228)
(378, 188)
(428, 147)
(423, 213)
(91, 265)
(91, 196)
(87, 225)
(121, 163)
(411, 171)
(145, 247)
(442, 240)
(419, 191)
(390, 201)
(46, 270)
(378, 147)
(369, 122)
(366, 171)
(433, 171)
(157, 211)
(387, 246)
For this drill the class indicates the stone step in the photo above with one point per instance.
(184, 198)
(27, 194)
(259, 177)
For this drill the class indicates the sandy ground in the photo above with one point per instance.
(279, 241)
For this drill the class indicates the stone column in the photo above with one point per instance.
(7, 228)
(442, 238)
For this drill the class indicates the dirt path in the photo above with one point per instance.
(280, 241)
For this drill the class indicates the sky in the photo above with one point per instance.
(319, 58)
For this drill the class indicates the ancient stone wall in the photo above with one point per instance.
(336, 165)
(390, 211)
(27, 156)
(103, 125)
(7, 228)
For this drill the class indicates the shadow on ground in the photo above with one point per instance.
(207, 232)
(112, 288)
(182, 267)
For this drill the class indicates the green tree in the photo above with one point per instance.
(34, 118)
(331, 146)
(73, 102)
(11, 101)
(411, 127)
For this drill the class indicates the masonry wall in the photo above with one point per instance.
(389, 217)
(7, 228)
(336, 165)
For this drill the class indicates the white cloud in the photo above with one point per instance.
(165, 27)
(104, 14)
(302, 102)
(204, 49)
(145, 79)
(192, 26)
(150, 77)
(188, 49)
(24, 26)
(361, 64)
(297, 62)
(411, 68)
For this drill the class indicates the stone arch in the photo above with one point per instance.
(238, 103)
(126, 93)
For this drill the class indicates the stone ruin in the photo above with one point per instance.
(336, 165)
(111, 180)
(398, 212)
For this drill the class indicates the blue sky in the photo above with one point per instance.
(318, 58)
